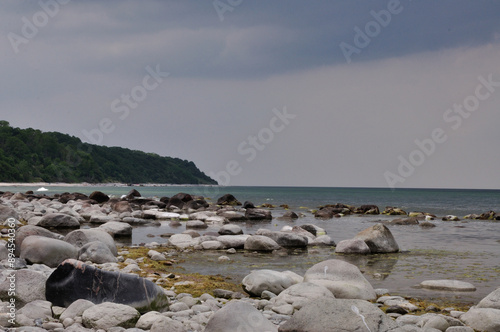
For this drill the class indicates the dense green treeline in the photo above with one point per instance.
(29, 155)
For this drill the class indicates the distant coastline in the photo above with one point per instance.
(86, 184)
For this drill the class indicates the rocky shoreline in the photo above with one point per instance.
(42, 283)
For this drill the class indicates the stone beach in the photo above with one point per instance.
(72, 274)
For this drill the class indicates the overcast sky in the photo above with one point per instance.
(287, 93)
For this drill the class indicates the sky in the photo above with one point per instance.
(399, 94)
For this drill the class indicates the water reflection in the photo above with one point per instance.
(379, 266)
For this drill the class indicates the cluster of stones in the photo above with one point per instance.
(332, 295)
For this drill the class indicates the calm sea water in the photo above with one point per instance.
(463, 250)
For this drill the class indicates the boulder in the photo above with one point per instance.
(121, 206)
(258, 214)
(367, 209)
(43, 250)
(108, 314)
(448, 285)
(379, 239)
(228, 199)
(196, 204)
(76, 309)
(30, 286)
(352, 246)
(259, 281)
(403, 221)
(211, 245)
(492, 300)
(332, 315)
(230, 229)
(167, 324)
(175, 202)
(58, 220)
(313, 229)
(239, 316)
(73, 280)
(117, 228)
(260, 243)
(343, 279)
(133, 193)
(7, 212)
(482, 319)
(289, 215)
(233, 241)
(393, 211)
(36, 310)
(299, 294)
(29, 230)
(322, 240)
(80, 237)
(99, 197)
(285, 239)
(232, 215)
(96, 252)
(324, 213)
(248, 205)
(181, 241)
(196, 224)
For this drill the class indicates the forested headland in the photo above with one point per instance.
(30, 155)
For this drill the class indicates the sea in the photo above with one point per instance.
(467, 250)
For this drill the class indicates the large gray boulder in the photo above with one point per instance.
(299, 294)
(352, 246)
(58, 220)
(285, 239)
(107, 315)
(334, 315)
(76, 309)
(233, 241)
(239, 316)
(43, 250)
(492, 300)
(181, 241)
(260, 243)
(344, 280)
(73, 280)
(30, 286)
(36, 310)
(230, 229)
(267, 280)
(258, 214)
(379, 239)
(29, 230)
(7, 212)
(80, 237)
(117, 228)
(448, 285)
(482, 319)
(96, 252)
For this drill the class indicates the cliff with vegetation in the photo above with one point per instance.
(29, 155)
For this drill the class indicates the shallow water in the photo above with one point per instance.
(467, 251)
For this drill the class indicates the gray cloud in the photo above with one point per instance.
(226, 77)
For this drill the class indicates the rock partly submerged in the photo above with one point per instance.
(73, 280)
